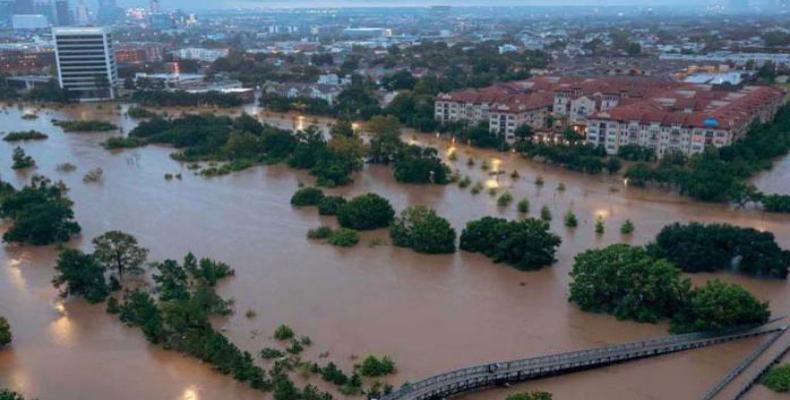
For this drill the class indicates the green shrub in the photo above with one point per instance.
(307, 196)
(5, 332)
(504, 200)
(330, 205)
(545, 214)
(22, 160)
(421, 229)
(123, 143)
(85, 126)
(6, 394)
(523, 206)
(283, 332)
(295, 347)
(537, 395)
(627, 228)
(25, 136)
(372, 366)
(331, 373)
(344, 237)
(139, 113)
(599, 228)
(366, 212)
(322, 232)
(270, 353)
(570, 219)
(778, 378)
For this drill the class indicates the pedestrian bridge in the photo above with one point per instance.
(501, 373)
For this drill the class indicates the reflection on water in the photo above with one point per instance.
(190, 393)
(15, 273)
(62, 331)
(492, 183)
(430, 313)
(602, 213)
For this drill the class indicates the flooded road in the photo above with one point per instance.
(430, 313)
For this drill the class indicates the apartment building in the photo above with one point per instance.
(200, 54)
(531, 109)
(684, 120)
(86, 63)
(660, 114)
(473, 105)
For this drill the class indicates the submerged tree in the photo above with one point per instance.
(366, 212)
(5, 332)
(421, 229)
(80, 274)
(41, 213)
(120, 251)
(526, 244)
(717, 305)
(21, 159)
(627, 282)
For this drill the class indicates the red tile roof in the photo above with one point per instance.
(645, 100)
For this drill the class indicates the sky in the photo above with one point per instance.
(214, 4)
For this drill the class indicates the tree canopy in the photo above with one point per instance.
(421, 229)
(630, 283)
(80, 274)
(526, 244)
(696, 247)
(120, 251)
(717, 305)
(41, 213)
(366, 212)
(627, 282)
(5, 332)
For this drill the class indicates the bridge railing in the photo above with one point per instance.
(566, 357)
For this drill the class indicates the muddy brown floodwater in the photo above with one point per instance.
(430, 313)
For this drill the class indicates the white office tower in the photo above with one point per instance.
(86, 63)
(81, 13)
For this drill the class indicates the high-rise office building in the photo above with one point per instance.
(62, 13)
(24, 7)
(109, 12)
(6, 11)
(161, 21)
(86, 63)
(154, 7)
(45, 8)
(81, 13)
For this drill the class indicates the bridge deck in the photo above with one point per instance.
(739, 387)
(473, 378)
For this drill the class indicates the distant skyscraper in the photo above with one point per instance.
(81, 14)
(45, 8)
(24, 7)
(86, 63)
(161, 21)
(154, 7)
(6, 11)
(109, 12)
(62, 13)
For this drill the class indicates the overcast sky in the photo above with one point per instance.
(213, 4)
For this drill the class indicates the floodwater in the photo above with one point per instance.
(777, 180)
(430, 313)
